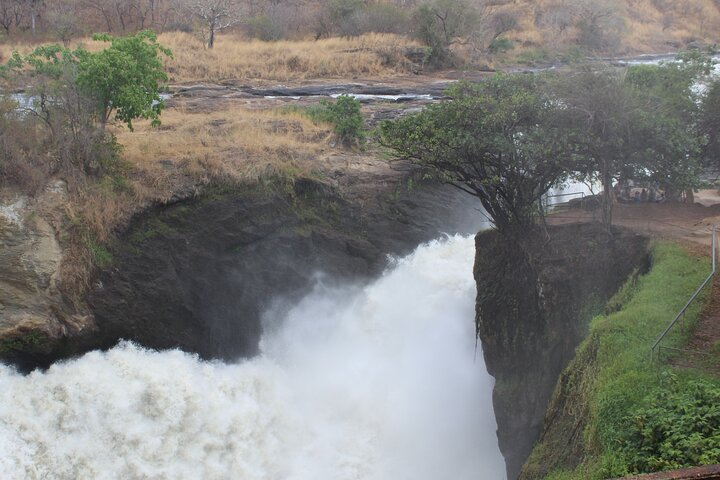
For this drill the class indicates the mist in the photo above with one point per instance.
(373, 382)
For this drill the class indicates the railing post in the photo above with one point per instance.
(680, 317)
(714, 232)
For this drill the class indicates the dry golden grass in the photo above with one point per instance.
(648, 28)
(6, 49)
(247, 60)
(94, 214)
(231, 143)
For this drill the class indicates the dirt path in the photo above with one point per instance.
(705, 338)
(691, 226)
(673, 221)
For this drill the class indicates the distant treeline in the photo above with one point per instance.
(480, 25)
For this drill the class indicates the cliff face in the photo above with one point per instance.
(532, 312)
(198, 274)
(34, 313)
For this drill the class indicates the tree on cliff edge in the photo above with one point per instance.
(637, 123)
(501, 140)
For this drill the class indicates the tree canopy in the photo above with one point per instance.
(123, 79)
(508, 139)
(709, 124)
(74, 93)
(501, 140)
(636, 123)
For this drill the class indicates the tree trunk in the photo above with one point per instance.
(211, 39)
(607, 200)
(689, 196)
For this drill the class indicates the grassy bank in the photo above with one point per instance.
(614, 413)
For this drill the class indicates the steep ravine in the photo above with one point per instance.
(198, 274)
(533, 311)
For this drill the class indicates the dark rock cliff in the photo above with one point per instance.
(533, 309)
(198, 274)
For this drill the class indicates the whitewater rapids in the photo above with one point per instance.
(372, 383)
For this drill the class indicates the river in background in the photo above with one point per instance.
(377, 382)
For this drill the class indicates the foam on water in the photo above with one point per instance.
(374, 383)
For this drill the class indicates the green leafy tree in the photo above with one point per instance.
(501, 140)
(709, 124)
(74, 93)
(636, 123)
(441, 23)
(124, 79)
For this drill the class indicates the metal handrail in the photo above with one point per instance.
(546, 205)
(681, 314)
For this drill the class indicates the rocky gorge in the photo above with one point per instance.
(197, 273)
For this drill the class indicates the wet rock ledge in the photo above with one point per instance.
(198, 274)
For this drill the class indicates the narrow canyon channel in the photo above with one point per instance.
(378, 381)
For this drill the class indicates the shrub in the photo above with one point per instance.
(344, 114)
(385, 18)
(349, 18)
(677, 426)
(500, 45)
(263, 28)
(440, 23)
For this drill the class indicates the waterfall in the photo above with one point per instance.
(376, 382)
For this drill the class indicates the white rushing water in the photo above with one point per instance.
(375, 383)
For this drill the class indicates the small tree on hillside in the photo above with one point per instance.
(125, 78)
(442, 23)
(75, 92)
(214, 15)
(501, 141)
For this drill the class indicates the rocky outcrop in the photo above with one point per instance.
(533, 309)
(32, 310)
(199, 273)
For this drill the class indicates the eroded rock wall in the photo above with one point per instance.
(533, 309)
(198, 274)
(33, 312)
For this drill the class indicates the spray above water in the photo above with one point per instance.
(372, 383)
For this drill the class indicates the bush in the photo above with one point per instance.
(262, 27)
(345, 116)
(349, 18)
(386, 18)
(500, 45)
(677, 426)
(440, 23)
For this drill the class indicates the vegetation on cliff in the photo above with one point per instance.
(499, 140)
(614, 412)
(509, 139)
(533, 310)
(639, 124)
